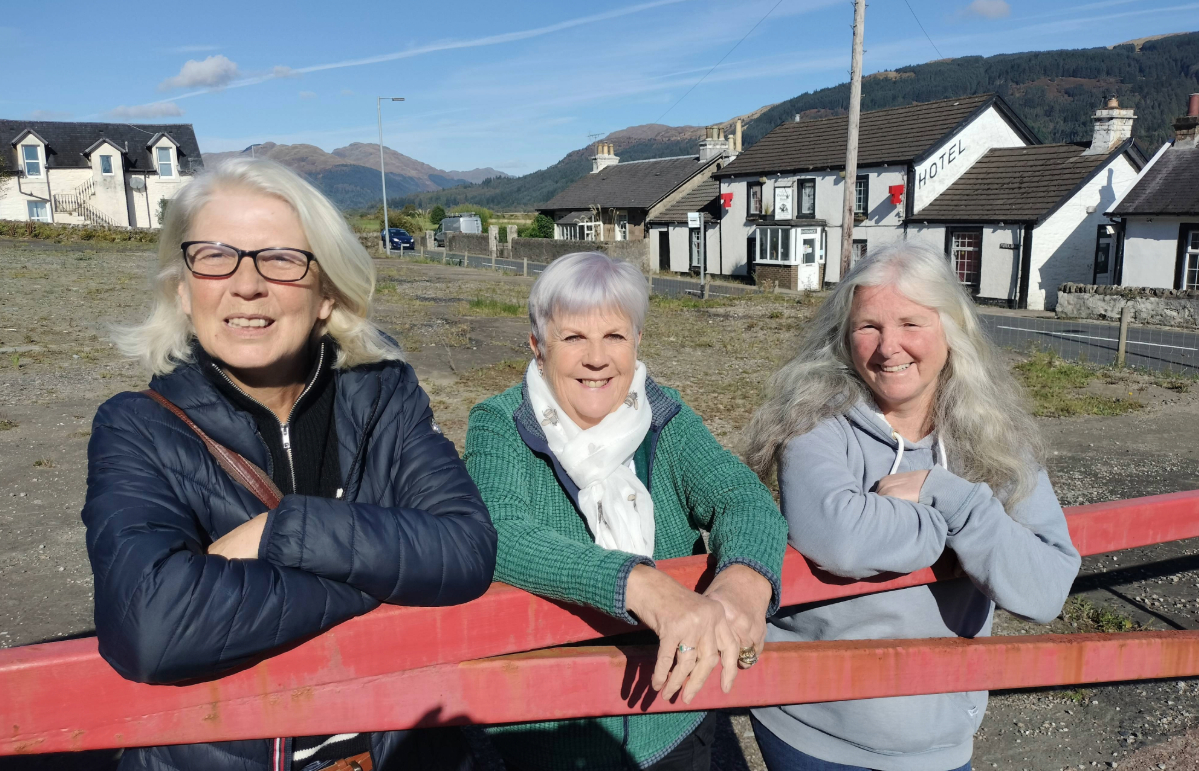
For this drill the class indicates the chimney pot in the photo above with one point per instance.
(1193, 106)
(1112, 102)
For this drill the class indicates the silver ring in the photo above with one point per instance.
(685, 648)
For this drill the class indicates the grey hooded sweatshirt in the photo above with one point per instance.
(1021, 560)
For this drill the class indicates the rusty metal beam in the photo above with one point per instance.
(575, 682)
(37, 681)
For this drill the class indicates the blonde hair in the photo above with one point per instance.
(979, 411)
(347, 274)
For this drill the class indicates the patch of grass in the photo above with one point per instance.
(1054, 386)
(82, 434)
(489, 306)
(1077, 695)
(499, 376)
(1087, 617)
(7, 425)
(43, 463)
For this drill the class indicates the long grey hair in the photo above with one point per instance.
(979, 410)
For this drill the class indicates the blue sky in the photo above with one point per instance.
(513, 85)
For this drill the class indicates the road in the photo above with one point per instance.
(1096, 342)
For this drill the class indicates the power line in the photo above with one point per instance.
(717, 64)
(930, 40)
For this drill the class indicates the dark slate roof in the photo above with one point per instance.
(1169, 187)
(893, 135)
(704, 198)
(68, 141)
(632, 185)
(1019, 184)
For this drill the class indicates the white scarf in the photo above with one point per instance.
(617, 507)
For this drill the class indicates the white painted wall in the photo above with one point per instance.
(160, 187)
(111, 197)
(948, 161)
(1151, 251)
(680, 254)
(1063, 246)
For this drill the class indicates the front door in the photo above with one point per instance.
(966, 249)
(1105, 256)
(664, 250)
(809, 258)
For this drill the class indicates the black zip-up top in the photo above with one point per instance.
(304, 449)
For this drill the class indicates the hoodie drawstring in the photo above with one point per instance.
(944, 458)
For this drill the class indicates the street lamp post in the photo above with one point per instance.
(383, 173)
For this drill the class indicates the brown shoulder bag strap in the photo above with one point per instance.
(243, 471)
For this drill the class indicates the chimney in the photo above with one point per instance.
(1186, 128)
(1113, 124)
(604, 157)
(713, 145)
(737, 143)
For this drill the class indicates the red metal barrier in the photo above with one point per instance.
(46, 689)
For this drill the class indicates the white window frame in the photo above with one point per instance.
(954, 257)
(767, 237)
(622, 226)
(1190, 265)
(36, 161)
(111, 167)
(806, 183)
(861, 195)
(44, 216)
(169, 163)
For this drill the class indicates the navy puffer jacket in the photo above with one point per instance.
(409, 529)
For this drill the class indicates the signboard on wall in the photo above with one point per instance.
(784, 203)
(694, 219)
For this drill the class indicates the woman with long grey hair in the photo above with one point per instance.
(897, 435)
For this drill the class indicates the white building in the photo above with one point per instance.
(965, 175)
(1158, 235)
(109, 174)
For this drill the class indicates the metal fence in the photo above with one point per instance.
(1171, 351)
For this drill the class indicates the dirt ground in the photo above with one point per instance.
(58, 304)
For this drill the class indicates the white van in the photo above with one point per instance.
(457, 223)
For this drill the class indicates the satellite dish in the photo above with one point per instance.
(137, 183)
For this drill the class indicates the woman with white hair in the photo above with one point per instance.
(897, 434)
(591, 471)
(262, 354)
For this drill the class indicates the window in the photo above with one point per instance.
(807, 198)
(1103, 252)
(693, 249)
(33, 166)
(164, 162)
(1190, 265)
(38, 211)
(966, 253)
(861, 196)
(774, 245)
(105, 164)
(622, 226)
(755, 200)
(858, 253)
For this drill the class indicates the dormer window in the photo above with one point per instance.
(33, 164)
(106, 164)
(165, 167)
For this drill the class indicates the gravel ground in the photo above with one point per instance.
(58, 303)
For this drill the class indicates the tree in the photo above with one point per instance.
(483, 213)
(163, 204)
(541, 227)
(437, 214)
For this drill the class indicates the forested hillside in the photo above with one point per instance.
(1054, 91)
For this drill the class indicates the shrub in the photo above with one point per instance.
(437, 214)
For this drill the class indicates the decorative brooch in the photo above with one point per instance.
(631, 399)
(550, 417)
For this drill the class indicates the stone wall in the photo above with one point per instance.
(462, 243)
(1150, 305)
(549, 249)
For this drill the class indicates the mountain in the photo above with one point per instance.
(350, 175)
(1054, 91)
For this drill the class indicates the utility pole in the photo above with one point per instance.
(383, 173)
(851, 143)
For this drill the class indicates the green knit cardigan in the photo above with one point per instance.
(546, 548)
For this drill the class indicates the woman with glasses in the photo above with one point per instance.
(260, 335)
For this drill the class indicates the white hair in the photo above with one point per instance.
(347, 274)
(979, 409)
(584, 282)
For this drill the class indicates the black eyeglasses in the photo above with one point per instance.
(212, 259)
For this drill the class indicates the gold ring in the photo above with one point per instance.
(747, 657)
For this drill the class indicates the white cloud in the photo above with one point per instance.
(49, 115)
(989, 9)
(282, 71)
(214, 72)
(141, 111)
(308, 95)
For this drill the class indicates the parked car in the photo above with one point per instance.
(457, 223)
(400, 239)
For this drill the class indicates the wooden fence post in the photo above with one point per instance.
(1125, 318)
